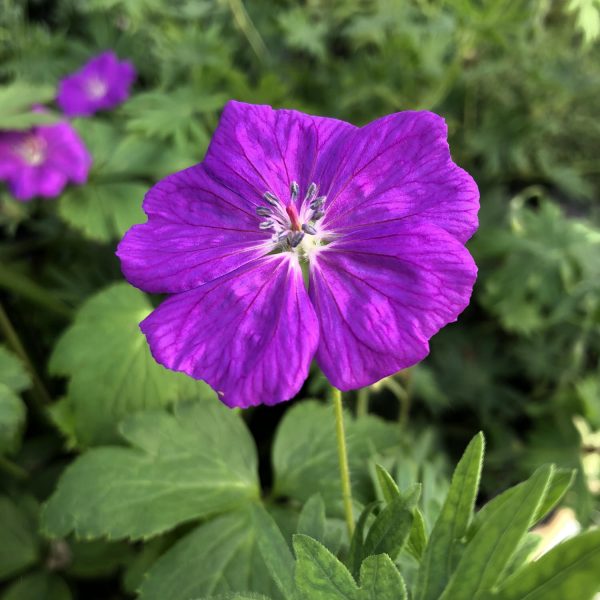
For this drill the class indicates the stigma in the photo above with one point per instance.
(295, 229)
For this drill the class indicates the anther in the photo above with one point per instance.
(318, 202)
(271, 199)
(309, 229)
(318, 215)
(294, 190)
(263, 211)
(266, 224)
(311, 192)
(295, 238)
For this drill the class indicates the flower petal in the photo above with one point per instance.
(257, 149)
(381, 293)
(197, 230)
(399, 168)
(251, 335)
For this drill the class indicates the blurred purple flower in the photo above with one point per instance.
(41, 161)
(100, 84)
(378, 214)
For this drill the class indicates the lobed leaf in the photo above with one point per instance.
(199, 461)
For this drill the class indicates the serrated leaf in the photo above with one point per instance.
(305, 455)
(112, 371)
(451, 525)
(20, 545)
(38, 586)
(381, 580)
(487, 555)
(218, 556)
(103, 211)
(319, 574)
(571, 567)
(196, 462)
(274, 550)
(312, 520)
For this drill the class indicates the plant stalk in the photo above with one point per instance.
(343, 460)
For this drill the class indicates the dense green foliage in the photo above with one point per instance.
(117, 476)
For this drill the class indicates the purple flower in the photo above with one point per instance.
(41, 161)
(102, 83)
(377, 215)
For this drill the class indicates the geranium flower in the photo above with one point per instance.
(377, 215)
(42, 160)
(100, 84)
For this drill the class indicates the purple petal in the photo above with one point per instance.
(257, 149)
(197, 230)
(251, 335)
(381, 293)
(399, 168)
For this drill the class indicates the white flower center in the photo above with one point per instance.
(32, 150)
(96, 88)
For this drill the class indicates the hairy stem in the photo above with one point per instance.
(343, 460)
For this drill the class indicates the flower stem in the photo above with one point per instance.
(343, 460)
(362, 402)
(39, 395)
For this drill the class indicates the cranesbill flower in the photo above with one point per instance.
(377, 215)
(42, 160)
(100, 84)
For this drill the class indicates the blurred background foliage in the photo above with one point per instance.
(518, 82)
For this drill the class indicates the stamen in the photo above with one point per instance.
(318, 202)
(295, 238)
(318, 215)
(263, 211)
(266, 224)
(309, 229)
(294, 190)
(271, 199)
(311, 193)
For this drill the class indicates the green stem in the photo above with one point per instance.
(13, 469)
(343, 460)
(362, 402)
(39, 395)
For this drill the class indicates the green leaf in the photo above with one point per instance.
(20, 545)
(16, 102)
(389, 532)
(38, 586)
(12, 371)
(103, 211)
(196, 462)
(112, 373)
(96, 559)
(451, 526)
(305, 456)
(319, 574)
(417, 540)
(274, 550)
(487, 555)
(381, 580)
(242, 596)
(357, 544)
(312, 521)
(571, 567)
(218, 556)
(389, 488)
(13, 379)
(560, 482)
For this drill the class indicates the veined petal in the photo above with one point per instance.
(251, 334)
(257, 149)
(399, 168)
(197, 230)
(381, 293)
